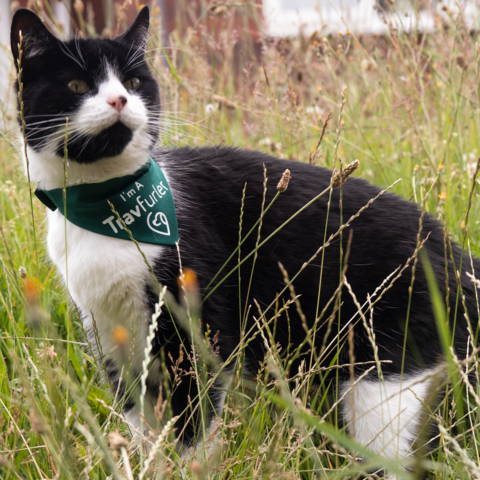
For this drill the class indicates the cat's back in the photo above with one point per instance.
(228, 180)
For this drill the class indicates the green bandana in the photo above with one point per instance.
(141, 204)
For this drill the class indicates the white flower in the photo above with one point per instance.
(211, 108)
(314, 109)
(470, 163)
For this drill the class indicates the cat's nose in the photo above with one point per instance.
(117, 102)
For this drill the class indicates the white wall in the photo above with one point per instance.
(290, 17)
(6, 76)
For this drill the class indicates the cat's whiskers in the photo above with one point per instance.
(129, 50)
(84, 146)
(167, 126)
(135, 59)
(41, 134)
(64, 48)
(133, 54)
(88, 127)
(77, 47)
(167, 116)
(45, 125)
(165, 121)
(173, 113)
(134, 66)
(47, 115)
(47, 120)
(47, 133)
(54, 140)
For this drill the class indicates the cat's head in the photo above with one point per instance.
(93, 100)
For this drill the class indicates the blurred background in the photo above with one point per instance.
(247, 23)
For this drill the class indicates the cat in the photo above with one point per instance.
(106, 92)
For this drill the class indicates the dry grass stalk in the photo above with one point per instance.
(224, 101)
(339, 177)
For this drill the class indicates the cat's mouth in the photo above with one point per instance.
(108, 143)
(103, 123)
(118, 127)
(118, 119)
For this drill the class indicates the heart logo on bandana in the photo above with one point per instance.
(158, 223)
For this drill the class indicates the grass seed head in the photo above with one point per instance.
(339, 177)
(282, 184)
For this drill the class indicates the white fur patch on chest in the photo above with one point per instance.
(106, 278)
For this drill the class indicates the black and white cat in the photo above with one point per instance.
(111, 100)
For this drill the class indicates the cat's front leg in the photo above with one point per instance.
(192, 399)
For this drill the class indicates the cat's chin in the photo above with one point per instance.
(110, 142)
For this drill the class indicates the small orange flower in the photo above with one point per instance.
(32, 289)
(78, 6)
(120, 335)
(188, 280)
(442, 195)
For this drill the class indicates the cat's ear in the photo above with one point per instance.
(136, 35)
(30, 34)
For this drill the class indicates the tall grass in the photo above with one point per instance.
(406, 106)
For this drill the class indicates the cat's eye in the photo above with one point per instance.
(78, 86)
(132, 83)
